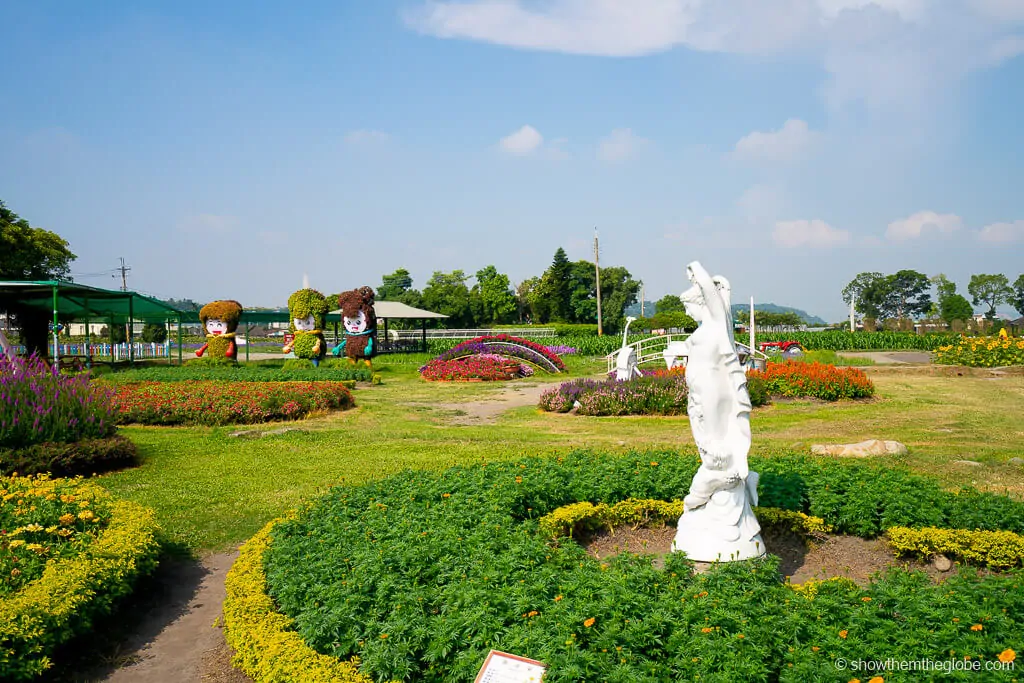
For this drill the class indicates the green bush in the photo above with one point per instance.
(108, 544)
(301, 371)
(86, 456)
(155, 333)
(420, 574)
(836, 340)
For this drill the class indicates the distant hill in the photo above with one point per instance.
(811, 320)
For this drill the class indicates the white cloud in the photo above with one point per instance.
(791, 142)
(1002, 233)
(885, 54)
(922, 222)
(620, 144)
(804, 233)
(208, 223)
(522, 142)
(366, 137)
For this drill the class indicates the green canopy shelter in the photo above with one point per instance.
(69, 301)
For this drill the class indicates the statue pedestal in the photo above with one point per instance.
(722, 530)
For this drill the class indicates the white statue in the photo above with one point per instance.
(625, 362)
(718, 522)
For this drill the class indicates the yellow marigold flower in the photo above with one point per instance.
(956, 620)
(86, 515)
(17, 543)
(843, 633)
(1007, 656)
(977, 627)
(589, 622)
(66, 519)
(33, 527)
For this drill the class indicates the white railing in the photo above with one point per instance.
(470, 334)
(648, 350)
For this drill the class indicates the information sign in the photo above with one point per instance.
(501, 667)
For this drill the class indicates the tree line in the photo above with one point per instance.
(907, 295)
(566, 292)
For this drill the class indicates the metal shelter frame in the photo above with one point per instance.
(82, 303)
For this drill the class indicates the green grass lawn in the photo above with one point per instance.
(212, 491)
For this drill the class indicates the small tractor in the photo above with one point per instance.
(787, 349)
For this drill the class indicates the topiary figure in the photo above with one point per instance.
(360, 323)
(220, 319)
(307, 309)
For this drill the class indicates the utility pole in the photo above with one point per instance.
(642, 297)
(853, 324)
(597, 269)
(124, 275)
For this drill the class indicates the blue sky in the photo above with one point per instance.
(228, 149)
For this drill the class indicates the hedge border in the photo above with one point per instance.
(83, 457)
(63, 601)
(266, 648)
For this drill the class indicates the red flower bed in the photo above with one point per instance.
(818, 380)
(539, 348)
(470, 368)
(220, 403)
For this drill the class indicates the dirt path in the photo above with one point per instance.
(487, 410)
(890, 357)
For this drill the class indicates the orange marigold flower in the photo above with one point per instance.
(977, 627)
(877, 679)
(865, 599)
(589, 622)
(1007, 656)
(815, 648)
(843, 633)
(706, 630)
(557, 598)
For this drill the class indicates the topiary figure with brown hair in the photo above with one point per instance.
(360, 323)
(307, 309)
(220, 320)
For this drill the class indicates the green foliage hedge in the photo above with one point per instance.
(836, 340)
(73, 591)
(302, 372)
(86, 456)
(420, 574)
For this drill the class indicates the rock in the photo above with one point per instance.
(282, 430)
(863, 449)
(244, 432)
(1017, 461)
(972, 463)
(942, 563)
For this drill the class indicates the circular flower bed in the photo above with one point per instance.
(221, 403)
(68, 550)
(510, 347)
(418, 576)
(816, 380)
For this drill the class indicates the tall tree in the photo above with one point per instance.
(618, 290)
(1017, 301)
(534, 303)
(31, 253)
(394, 285)
(990, 290)
(28, 253)
(955, 307)
(447, 293)
(943, 286)
(868, 293)
(908, 294)
(498, 304)
(560, 286)
(669, 303)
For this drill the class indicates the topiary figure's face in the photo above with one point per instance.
(216, 326)
(306, 324)
(357, 324)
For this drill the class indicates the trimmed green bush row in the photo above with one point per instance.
(66, 459)
(420, 574)
(240, 373)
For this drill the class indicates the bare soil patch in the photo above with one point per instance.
(488, 409)
(800, 558)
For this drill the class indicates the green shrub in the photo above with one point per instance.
(87, 456)
(301, 371)
(107, 551)
(420, 574)
(154, 333)
(997, 549)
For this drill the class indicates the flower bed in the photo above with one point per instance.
(982, 352)
(661, 393)
(221, 403)
(485, 368)
(815, 380)
(418, 576)
(52, 422)
(68, 551)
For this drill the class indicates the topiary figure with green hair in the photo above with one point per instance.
(220, 320)
(307, 309)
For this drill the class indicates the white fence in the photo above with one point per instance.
(539, 332)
